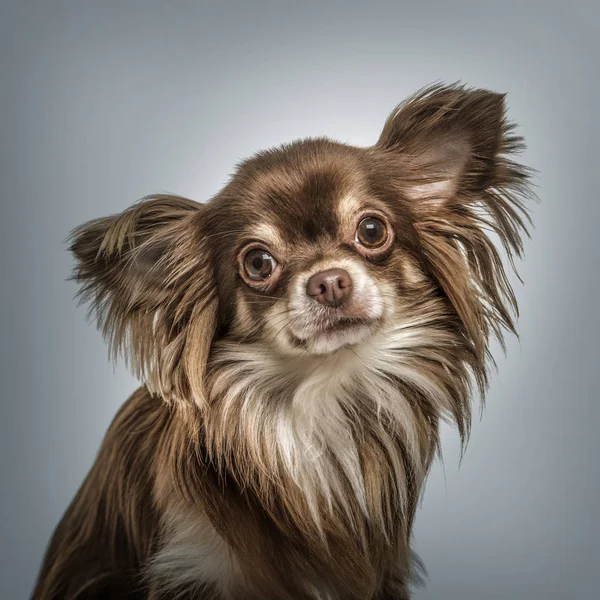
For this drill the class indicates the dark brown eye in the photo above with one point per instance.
(371, 232)
(259, 264)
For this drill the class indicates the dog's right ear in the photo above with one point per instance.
(148, 275)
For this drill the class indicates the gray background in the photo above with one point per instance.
(102, 103)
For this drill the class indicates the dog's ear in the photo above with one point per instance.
(447, 149)
(148, 275)
(451, 141)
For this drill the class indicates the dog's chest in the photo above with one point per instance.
(317, 454)
(193, 556)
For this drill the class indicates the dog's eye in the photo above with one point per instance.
(371, 232)
(259, 264)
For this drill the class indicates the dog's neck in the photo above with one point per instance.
(327, 425)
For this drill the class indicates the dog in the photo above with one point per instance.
(300, 338)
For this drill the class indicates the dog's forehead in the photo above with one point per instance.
(303, 200)
(307, 211)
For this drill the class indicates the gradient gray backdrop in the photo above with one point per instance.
(104, 102)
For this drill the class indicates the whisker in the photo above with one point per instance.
(320, 364)
(359, 356)
(285, 325)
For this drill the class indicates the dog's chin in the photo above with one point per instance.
(340, 335)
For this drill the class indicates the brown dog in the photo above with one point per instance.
(300, 338)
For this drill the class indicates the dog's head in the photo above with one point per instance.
(316, 247)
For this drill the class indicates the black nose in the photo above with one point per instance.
(331, 287)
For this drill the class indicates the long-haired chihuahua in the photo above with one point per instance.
(300, 338)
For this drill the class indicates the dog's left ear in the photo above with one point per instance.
(148, 274)
(448, 151)
(450, 141)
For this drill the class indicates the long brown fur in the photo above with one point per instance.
(215, 449)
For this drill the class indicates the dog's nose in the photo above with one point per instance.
(331, 287)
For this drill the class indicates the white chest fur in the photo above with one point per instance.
(194, 555)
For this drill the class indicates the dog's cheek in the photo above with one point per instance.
(275, 321)
(256, 317)
(412, 273)
(404, 273)
(243, 321)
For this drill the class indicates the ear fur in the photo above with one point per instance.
(148, 275)
(450, 148)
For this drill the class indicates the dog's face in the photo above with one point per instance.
(314, 249)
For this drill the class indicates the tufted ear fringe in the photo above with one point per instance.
(452, 147)
(147, 274)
